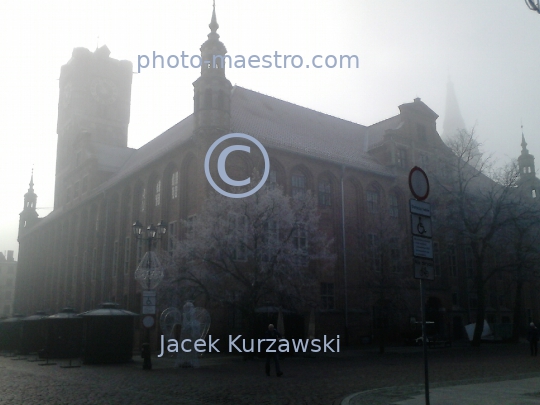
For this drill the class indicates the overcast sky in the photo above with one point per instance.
(407, 49)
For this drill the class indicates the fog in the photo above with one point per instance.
(406, 49)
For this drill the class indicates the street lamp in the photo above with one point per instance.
(149, 274)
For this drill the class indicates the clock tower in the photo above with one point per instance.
(93, 109)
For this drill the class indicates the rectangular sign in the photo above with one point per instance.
(149, 303)
(421, 225)
(422, 247)
(420, 208)
(423, 269)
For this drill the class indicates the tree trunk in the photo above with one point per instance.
(517, 312)
(480, 311)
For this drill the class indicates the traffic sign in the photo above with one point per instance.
(423, 269)
(418, 183)
(422, 247)
(421, 225)
(420, 208)
(149, 303)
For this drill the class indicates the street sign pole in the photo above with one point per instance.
(422, 249)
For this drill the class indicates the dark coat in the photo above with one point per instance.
(533, 334)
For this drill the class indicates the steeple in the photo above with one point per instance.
(28, 216)
(453, 120)
(212, 90)
(525, 161)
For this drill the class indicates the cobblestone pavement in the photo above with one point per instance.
(230, 380)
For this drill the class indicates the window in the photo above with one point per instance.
(533, 193)
(143, 199)
(174, 185)
(271, 239)
(272, 179)
(372, 201)
(94, 263)
(115, 259)
(469, 261)
(395, 256)
(452, 260)
(299, 239)
(436, 259)
(394, 207)
(298, 185)
(327, 295)
(238, 231)
(171, 237)
(158, 193)
(401, 158)
(127, 252)
(373, 242)
(325, 193)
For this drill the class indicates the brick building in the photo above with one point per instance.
(83, 253)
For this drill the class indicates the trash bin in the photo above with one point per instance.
(108, 334)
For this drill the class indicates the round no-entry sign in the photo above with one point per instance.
(418, 183)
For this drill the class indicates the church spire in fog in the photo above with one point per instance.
(453, 120)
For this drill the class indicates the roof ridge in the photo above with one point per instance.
(300, 106)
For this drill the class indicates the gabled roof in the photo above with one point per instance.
(375, 133)
(282, 125)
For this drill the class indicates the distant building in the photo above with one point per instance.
(8, 272)
(84, 253)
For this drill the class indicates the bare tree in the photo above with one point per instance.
(478, 201)
(247, 252)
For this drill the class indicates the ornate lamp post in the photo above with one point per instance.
(149, 274)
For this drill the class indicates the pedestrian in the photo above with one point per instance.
(533, 338)
(272, 335)
(145, 354)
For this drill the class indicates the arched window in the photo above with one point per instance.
(157, 195)
(372, 197)
(143, 199)
(298, 184)
(325, 193)
(174, 185)
(394, 205)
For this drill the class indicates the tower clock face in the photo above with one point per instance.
(104, 91)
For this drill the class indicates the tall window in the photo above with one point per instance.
(372, 201)
(469, 261)
(158, 193)
(327, 295)
(271, 239)
(401, 157)
(127, 252)
(300, 242)
(298, 184)
(171, 237)
(143, 199)
(238, 230)
(373, 246)
(115, 259)
(174, 185)
(452, 260)
(394, 207)
(395, 255)
(325, 193)
(94, 263)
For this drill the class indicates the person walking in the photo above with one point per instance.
(533, 338)
(272, 334)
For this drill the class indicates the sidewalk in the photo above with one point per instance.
(515, 392)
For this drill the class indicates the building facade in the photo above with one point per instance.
(8, 273)
(83, 253)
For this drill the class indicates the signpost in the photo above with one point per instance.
(422, 247)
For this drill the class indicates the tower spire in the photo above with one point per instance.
(213, 24)
(524, 149)
(31, 184)
(453, 120)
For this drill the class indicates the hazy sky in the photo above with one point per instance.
(407, 49)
